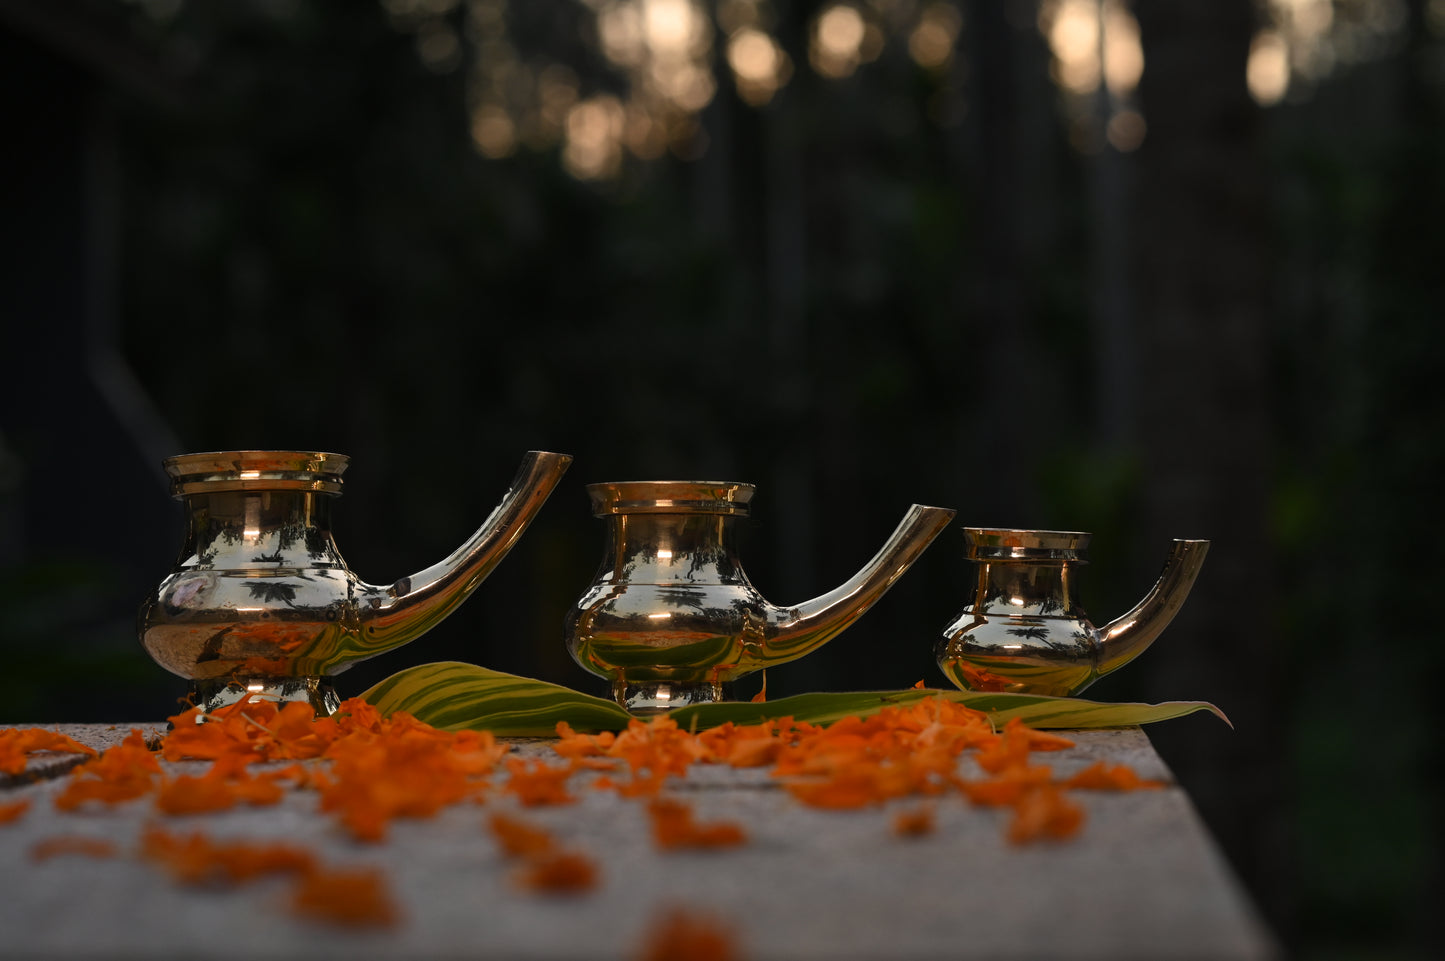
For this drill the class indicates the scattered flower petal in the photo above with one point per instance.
(681, 933)
(558, 872)
(914, 823)
(520, 839)
(14, 810)
(673, 826)
(356, 897)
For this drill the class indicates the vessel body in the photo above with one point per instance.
(1024, 629)
(260, 600)
(671, 618)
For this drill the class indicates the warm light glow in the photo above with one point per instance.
(645, 136)
(619, 28)
(932, 40)
(660, 617)
(837, 43)
(1016, 601)
(438, 46)
(1307, 40)
(493, 131)
(249, 474)
(753, 55)
(686, 84)
(1093, 41)
(1073, 35)
(759, 65)
(664, 45)
(251, 532)
(255, 687)
(1123, 51)
(664, 555)
(593, 148)
(1267, 72)
(556, 94)
(1126, 130)
(672, 28)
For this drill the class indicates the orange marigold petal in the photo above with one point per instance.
(518, 838)
(914, 823)
(14, 810)
(1035, 739)
(194, 858)
(842, 793)
(1044, 813)
(351, 897)
(122, 773)
(1101, 776)
(754, 752)
(355, 714)
(559, 872)
(536, 783)
(686, 934)
(1007, 787)
(762, 694)
(25, 741)
(674, 826)
(194, 795)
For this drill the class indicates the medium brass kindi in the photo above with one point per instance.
(1025, 631)
(261, 602)
(671, 618)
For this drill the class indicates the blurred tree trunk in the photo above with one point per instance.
(1014, 385)
(1201, 261)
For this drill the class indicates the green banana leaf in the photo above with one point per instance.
(451, 695)
(1034, 710)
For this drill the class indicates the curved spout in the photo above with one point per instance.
(1125, 637)
(392, 616)
(793, 632)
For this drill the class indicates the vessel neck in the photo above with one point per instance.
(653, 548)
(1028, 589)
(259, 529)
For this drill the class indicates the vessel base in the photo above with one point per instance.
(217, 693)
(644, 698)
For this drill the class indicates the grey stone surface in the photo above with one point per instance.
(1142, 880)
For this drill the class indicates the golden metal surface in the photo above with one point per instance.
(1025, 630)
(261, 601)
(671, 618)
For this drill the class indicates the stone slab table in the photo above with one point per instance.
(1143, 880)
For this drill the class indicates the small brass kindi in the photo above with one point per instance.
(672, 620)
(260, 601)
(1025, 631)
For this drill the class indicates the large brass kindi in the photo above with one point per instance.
(260, 600)
(671, 618)
(1026, 632)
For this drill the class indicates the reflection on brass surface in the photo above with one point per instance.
(260, 600)
(1025, 631)
(671, 618)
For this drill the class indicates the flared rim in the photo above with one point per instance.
(233, 470)
(670, 497)
(1005, 543)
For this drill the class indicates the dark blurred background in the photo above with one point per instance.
(1147, 269)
